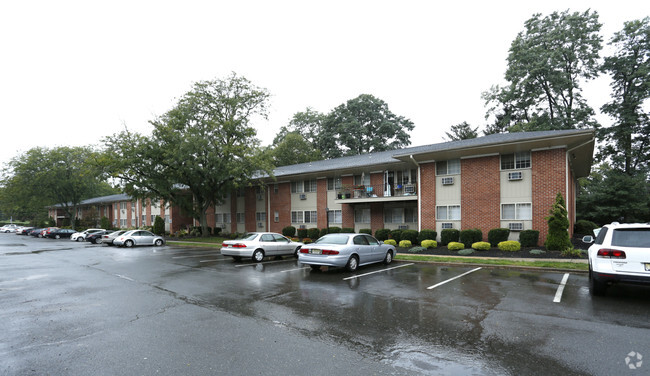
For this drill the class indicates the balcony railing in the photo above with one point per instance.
(375, 191)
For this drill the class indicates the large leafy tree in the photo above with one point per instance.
(293, 149)
(308, 124)
(61, 176)
(199, 151)
(462, 131)
(546, 64)
(627, 142)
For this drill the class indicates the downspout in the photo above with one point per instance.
(419, 194)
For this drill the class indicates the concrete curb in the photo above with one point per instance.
(493, 266)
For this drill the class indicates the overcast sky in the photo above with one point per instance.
(72, 72)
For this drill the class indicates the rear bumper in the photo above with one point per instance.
(237, 252)
(621, 278)
(336, 260)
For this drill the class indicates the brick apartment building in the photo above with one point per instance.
(503, 180)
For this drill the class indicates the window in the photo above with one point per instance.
(515, 161)
(310, 186)
(303, 186)
(153, 219)
(218, 218)
(407, 177)
(168, 219)
(307, 216)
(311, 216)
(276, 189)
(133, 222)
(362, 179)
(144, 219)
(450, 167)
(449, 213)
(517, 211)
(122, 205)
(276, 216)
(226, 217)
(394, 215)
(410, 215)
(123, 223)
(241, 218)
(333, 183)
(335, 216)
(260, 216)
(362, 216)
(296, 217)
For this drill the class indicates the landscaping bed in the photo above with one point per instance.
(492, 252)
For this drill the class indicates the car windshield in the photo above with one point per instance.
(248, 237)
(333, 239)
(633, 237)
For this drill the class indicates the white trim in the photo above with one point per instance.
(550, 148)
(429, 161)
(480, 156)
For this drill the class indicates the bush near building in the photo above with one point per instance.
(498, 235)
(470, 236)
(449, 235)
(481, 246)
(510, 246)
(455, 246)
(289, 231)
(529, 238)
(427, 235)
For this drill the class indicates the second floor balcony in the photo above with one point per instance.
(381, 192)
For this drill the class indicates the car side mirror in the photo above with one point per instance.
(588, 239)
(380, 241)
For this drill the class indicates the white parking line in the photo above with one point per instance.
(451, 279)
(293, 270)
(124, 277)
(181, 257)
(560, 289)
(377, 271)
(224, 259)
(256, 263)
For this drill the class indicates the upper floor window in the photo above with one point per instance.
(517, 211)
(363, 179)
(449, 212)
(303, 186)
(515, 160)
(122, 205)
(334, 183)
(450, 167)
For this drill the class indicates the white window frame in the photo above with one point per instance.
(335, 216)
(454, 170)
(521, 160)
(448, 213)
(517, 212)
(241, 218)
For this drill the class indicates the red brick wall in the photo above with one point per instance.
(376, 216)
(250, 208)
(148, 213)
(347, 210)
(321, 203)
(480, 193)
(549, 179)
(428, 196)
(281, 202)
(233, 212)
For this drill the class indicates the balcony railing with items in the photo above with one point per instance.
(376, 191)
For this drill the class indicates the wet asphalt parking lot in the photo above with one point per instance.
(70, 308)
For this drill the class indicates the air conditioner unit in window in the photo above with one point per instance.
(516, 226)
(448, 181)
(515, 175)
(303, 196)
(302, 227)
(403, 227)
(260, 224)
(447, 225)
(409, 188)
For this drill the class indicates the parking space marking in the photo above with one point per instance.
(181, 257)
(560, 289)
(451, 279)
(377, 271)
(124, 277)
(293, 270)
(255, 263)
(216, 260)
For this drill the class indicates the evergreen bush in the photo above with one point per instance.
(313, 233)
(365, 231)
(470, 236)
(455, 246)
(390, 242)
(428, 243)
(427, 235)
(334, 230)
(558, 226)
(529, 238)
(396, 234)
(498, 235)
(410, 235)
(348, 230)
(289, 231)
(405, 244)
(584, 227)
(510, 246)
(382, 234)
(449, 235)
(302, 233)
(481, 246)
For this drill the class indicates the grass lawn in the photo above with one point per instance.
(198, 242)
(468, 260)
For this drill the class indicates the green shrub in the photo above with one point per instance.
(410, 235)
(405, 244)
(481, 246)
(306, 240)
(105, 223)
(455, 246)
(558, 226)
(289, 231)
(294, 239)
(302, 233)
(390, 242)
(427, 235)
(396, 234)
(348, 230)
(323, 232)
(159, 226)
(365, 231)
(465, 252)
(584, 227)
(470, 236)
(510, 246)
(498, 235)
(313, 233)
(529, 238)
(382, 234)
(428, 243)
(334, 230)
(216, 231)
(417, 249)
(449, 235)
(571, 252)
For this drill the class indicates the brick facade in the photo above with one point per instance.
(549, 178)
(281, 202)
(428, 196)
(481, 193)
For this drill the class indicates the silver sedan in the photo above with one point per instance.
(257, 245)
(346, 250)
(138, 237)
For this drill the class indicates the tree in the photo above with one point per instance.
(558, 226)
(462, 131)
(546, 64)
(293, 149)
(627, 142)
(199, 151)
(309, 124)
(363, 125)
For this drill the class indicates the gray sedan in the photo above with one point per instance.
(257, 245)
(138, 237)
(345, 250)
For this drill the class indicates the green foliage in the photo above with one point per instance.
(307, 240)
(382, 234)
(289, 231)
(466, 252)
(390, 242)
(509, 246)
(455, 246)
(498, 235)
(584, 227)
(216, 231)
(159, 226)
(396, 234)
(293, 149)
(429, 243)
(449, 235)
(405, 244)
(571, 252)
(347, 230)
(462, 131)
(302, 233)
(334, 230)
(365, 231)
(427, 235)
(529, 238)
(481, 246)
(470, 236)
(536, 252)
(323, 231)
(417, 249)
(313, 233)
(558, 226)
(410, 235)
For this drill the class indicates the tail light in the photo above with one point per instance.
(611, 253)
(329, 252)
(238, 245)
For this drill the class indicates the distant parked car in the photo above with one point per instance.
(257, 245)
(138, 237)
(81, 235)
(110, 237)
(345, 250)
(8, 228)
(96, 237)
(24, 230)
(46, 231)
(35, 232)
(59, 233)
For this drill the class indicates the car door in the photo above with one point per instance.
(376, 250)
(362, 248)
(267, 242)
(283, 244)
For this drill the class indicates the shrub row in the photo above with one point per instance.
(527, 238)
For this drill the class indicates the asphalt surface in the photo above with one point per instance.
(79, 309)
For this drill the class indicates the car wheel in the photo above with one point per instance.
(389, 258)
(596, 288)
(158, 242)
(57, 236)
(80, 239)
(94, 241)
(314, 267)
(258, 255)
(128, 243)
(353, 264)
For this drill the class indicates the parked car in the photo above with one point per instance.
(138, 237)
(619, 254)
(110, 237)
(59, 233)
(35, 232)
(345, 250)
(24, 230)
(96, 237)
(257, 245)
(8, 228)
(81, 235)
(46, 231)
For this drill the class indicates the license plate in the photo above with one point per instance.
(647, 267)
(318, 252)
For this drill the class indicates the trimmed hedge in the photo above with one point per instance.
(455, 246)
(510, 246)
(427, 235)
(470, 236)
(289, 231)
(529, 238)
(481, 246)
(159, 226)
(396, 234)
(498, 235)
(410, 235)
(365, 231)
(302, 233)
(584, 227)
(313, 233)
(405, 244)
(390, 242)
(449, 235)
(428, 243)
(347, 230)
(334, 230)
(382, 234)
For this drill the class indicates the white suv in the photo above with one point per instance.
(619, 254)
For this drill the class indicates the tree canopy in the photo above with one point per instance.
(462, 131)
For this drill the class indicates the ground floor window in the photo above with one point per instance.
(335, 216)
(307, 216)
(517, 211)
(362, 216)
(449, 213)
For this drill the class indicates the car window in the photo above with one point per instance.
(601, 236)
(280, 238)
(267, 238)
(360, 240)
(249, 236)
(371, 240)
(338, 239)
(631, 237)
